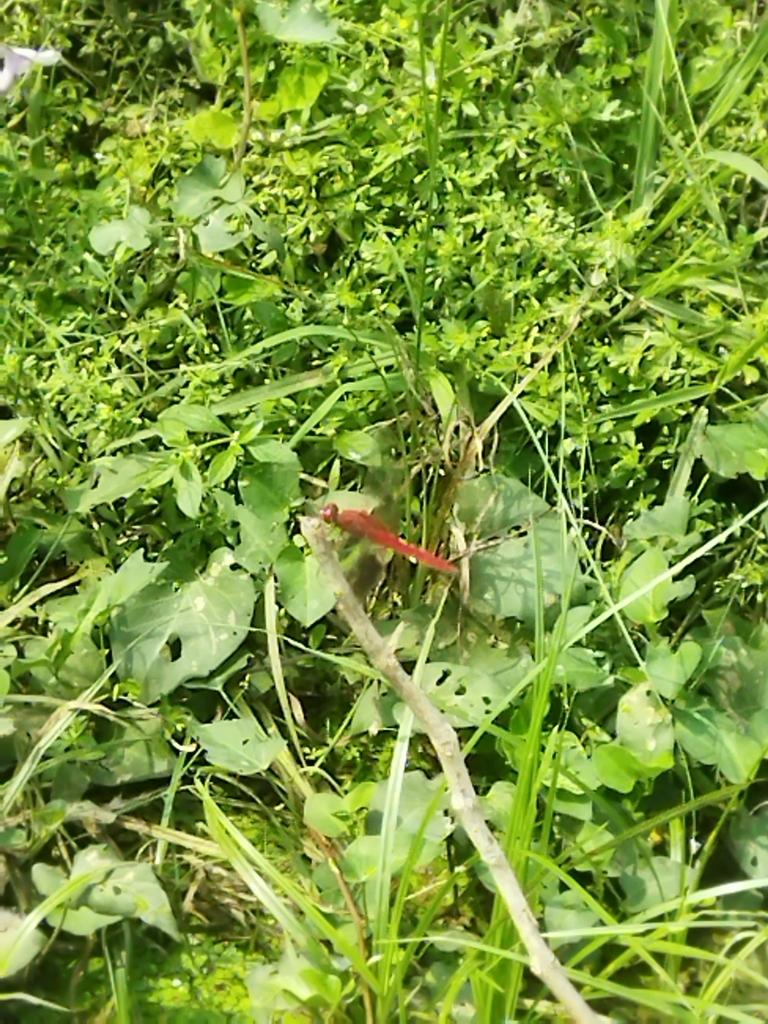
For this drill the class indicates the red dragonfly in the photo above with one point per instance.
(365, 524)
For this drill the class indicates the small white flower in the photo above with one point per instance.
(17, 60)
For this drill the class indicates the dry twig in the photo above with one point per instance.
(464, 799)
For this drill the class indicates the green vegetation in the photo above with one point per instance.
(504, 264)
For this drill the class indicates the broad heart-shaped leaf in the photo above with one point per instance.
(749, 841)
(14, 956)
(127, 889)
(732, 448)
(164, 636)
(511, 578)
(668, 671)
(324, 812)
(301, 23)
(133, 232)
(649, 884)
(220, 229)
(130, 889)
(213, 126)
(239, 745)
(581, 669)
(737, 672)
(76, 920)
(494, 504)
(184, 418)
(268, 490)
(298, 87)
(568, 912)
(644, 726)
(618, 768)
(713, 737)
(652, 606)
(418, 796)
(206, 186)
(667, 520)
(304, 592)
(283, 991)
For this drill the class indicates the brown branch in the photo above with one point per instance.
(464, 799)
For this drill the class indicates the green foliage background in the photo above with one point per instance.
(250, 253)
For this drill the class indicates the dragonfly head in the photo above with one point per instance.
(330, 513)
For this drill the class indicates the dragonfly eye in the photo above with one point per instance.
(330, 513)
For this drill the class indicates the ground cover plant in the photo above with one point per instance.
(502, 266)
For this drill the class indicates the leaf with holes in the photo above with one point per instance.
(749, 840)
(164, 636)
(469, 691)
(644, 726)
(240, 745)
(126, 889)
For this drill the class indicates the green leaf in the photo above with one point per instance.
(654, 882)
(740, 163)
(511, 579)
(498, 803)
(137, 751)
(24, 951)
(178, 420)
(581, 669)
(300, 23)
(749, 841)
(325, 813)
(120, 477)
(215, 127)
(652, 606)
(207, 185)
(668, 671)
(128, 889)
(268, 492)
(618, 768)
(12, 429)
(417, 797)
(280, 991)
(165, 636)
(732, 448)
(712, 737)
(298, 88)
(494, 504)
(218, 231)
(223, 465)
(133, 232)
(644, 726)
(568, 912)
(667, 520)
(240, 745)
(304, 591)
(359, 446)
(188, 485)
(468, 691)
